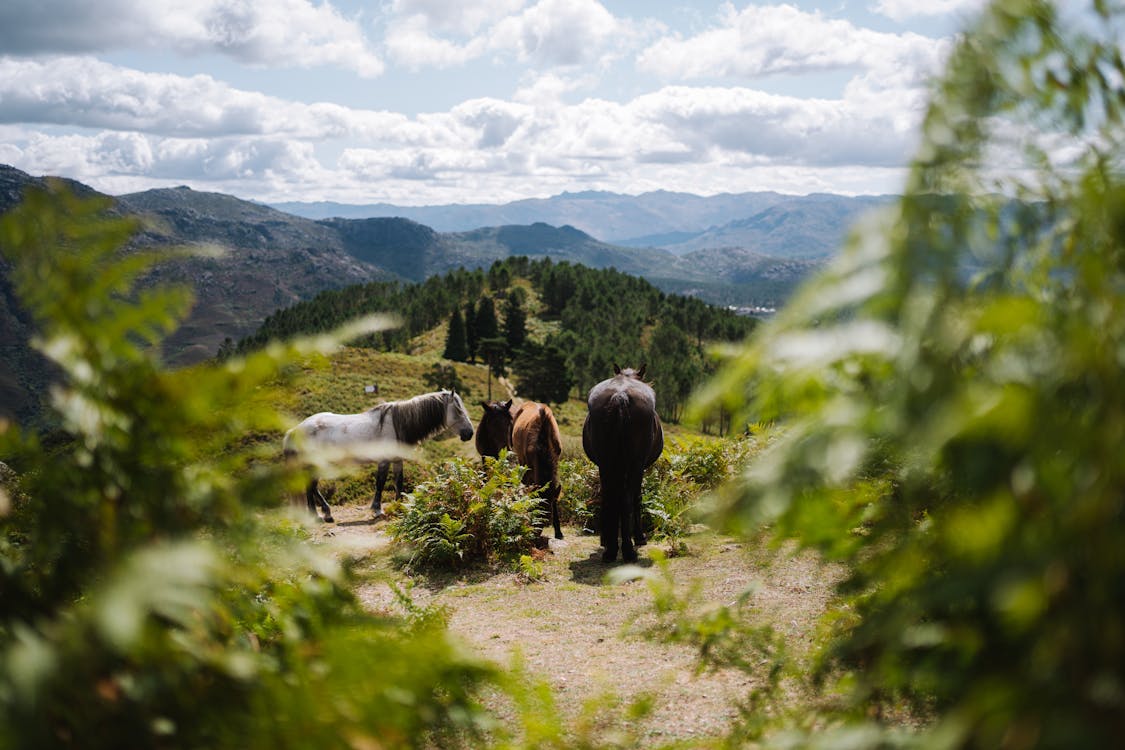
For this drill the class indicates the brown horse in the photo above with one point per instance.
(494, 433)
(622, 435)
(532, 433)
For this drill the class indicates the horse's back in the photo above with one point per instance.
(622, 425)
(329, 428)
(534, 430)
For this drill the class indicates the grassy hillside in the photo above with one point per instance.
(579, 322)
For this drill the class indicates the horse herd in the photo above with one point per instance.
(621, 434)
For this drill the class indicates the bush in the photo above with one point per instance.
(465, 516)
(670, 491)
(580, 494)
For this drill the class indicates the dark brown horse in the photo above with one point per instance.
(532, 433)
(494, 433)
(622, 435)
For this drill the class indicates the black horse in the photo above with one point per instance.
(623, 436)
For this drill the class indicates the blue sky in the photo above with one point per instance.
(430, 101)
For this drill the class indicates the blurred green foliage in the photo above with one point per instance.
(950, 401)
(151, 597)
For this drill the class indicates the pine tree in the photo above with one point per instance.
(488, 327)
(456, 346)
(543, 374)
(515, 320)
(472, 336)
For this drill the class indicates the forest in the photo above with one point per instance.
(941, 449)
(592, 317)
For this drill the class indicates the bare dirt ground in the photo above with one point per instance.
(581, 633)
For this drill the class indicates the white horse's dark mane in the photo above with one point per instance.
(415, 419)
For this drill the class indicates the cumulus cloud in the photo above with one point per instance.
(464, 17)
(562, 32)
(781, 39)
(901, 10)
(410, 43)
(160, 127)
(85, 92)
(258, 32)
(550, 33)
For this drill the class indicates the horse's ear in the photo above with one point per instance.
(507, 405)
(641, 371)
(616, 369)
(484, 404)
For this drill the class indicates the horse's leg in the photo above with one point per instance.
(314, 498)
(553, 491)
(636, 484)
(310, 497)
(398, 479)
(380, 480)
(628, 551)
(610, 516)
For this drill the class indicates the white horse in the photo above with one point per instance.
(408, 422)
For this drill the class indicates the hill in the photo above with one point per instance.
(812, 227)
(561, 326)
(272, 259)
(269, 260)
(632, 220)
(676, 220)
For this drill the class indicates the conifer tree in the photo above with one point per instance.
(472, 336)
(515, 320)
(456, 347)
(488, 327)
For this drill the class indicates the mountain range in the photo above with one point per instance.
(766, 222)
(748, 249)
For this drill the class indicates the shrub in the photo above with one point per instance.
(580, 493)
(670, 491)
(465, 515)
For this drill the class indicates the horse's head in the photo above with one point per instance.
(456, 417)
(629, 372)
(495, 428)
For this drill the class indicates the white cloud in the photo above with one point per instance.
(284, 33)
(410, 44)
(563, 32)
(901, 10)
(550, 33)
(775, 39)
(464, 17)
(548, 89)
(84, 92)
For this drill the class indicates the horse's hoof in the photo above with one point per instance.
(608, 557)
(559, 535)
(329, 519)
(640, 541)
(629, 555)
(378, 515)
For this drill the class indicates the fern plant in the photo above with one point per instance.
(466, 515)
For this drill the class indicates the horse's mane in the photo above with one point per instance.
(417, 418)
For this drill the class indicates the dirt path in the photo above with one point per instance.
(580, 633)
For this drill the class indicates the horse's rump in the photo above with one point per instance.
(536, 441)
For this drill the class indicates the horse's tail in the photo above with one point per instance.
(547, 452)
(618, 426)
